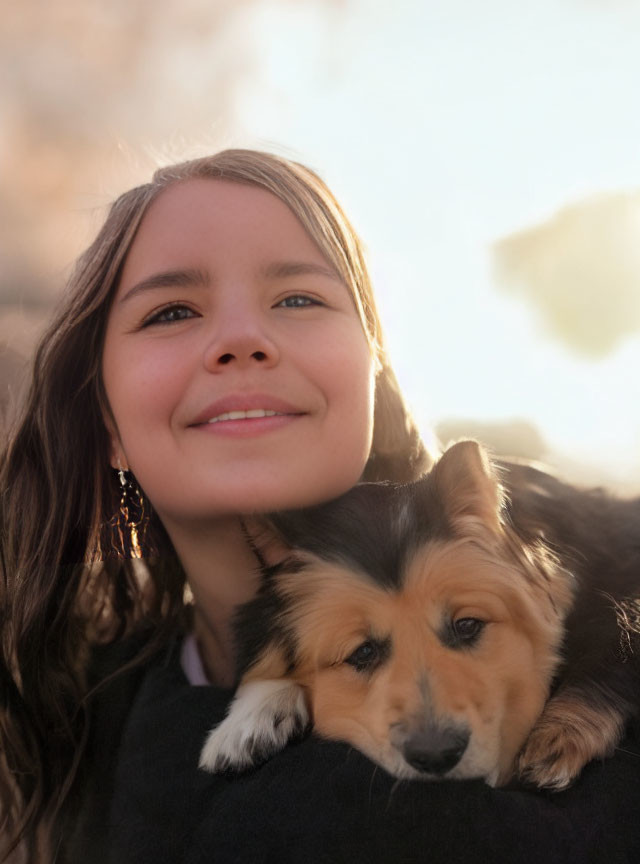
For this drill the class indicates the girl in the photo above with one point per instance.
(218, 355)
(219, 349)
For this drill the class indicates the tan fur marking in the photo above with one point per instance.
(496, 689)
(270, 664)
(568, 735)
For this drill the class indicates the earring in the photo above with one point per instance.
(129, 524)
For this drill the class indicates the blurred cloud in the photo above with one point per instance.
(580, 270)
(407, 111)
(515, 438)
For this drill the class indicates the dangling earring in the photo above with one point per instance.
(129, 524)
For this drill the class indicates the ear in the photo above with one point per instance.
(468, 485)
(117, 459)
(268, 544)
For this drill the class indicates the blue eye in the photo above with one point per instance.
(297, 301)
(169, 314)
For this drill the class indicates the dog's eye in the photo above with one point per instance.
(368, 655)
(467, 630)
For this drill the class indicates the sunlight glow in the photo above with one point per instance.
(445, 128)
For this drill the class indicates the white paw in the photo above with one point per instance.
(262, 718)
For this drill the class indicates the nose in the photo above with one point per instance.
(435, 749)
(240, 339)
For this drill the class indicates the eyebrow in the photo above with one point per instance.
(285, 269)
(168, 279)
(190, 278)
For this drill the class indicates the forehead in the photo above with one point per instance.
(199, 221)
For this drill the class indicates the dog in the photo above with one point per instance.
(481, 622)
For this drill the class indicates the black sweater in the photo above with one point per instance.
(144, 799)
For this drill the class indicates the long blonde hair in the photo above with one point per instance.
(58, 492)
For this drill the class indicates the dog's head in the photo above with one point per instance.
(425, 632)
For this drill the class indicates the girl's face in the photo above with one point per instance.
(235, 364)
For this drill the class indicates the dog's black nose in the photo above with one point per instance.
(436, 750)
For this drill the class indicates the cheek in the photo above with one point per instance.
(526, 690)
(497, 691)
(348, 708)
(350, 398)
(140, 386)
(349, 384)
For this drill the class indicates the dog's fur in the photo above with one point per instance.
(473, 624)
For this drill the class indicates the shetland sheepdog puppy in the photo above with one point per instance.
(480, 622)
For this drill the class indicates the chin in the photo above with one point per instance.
(292, 489)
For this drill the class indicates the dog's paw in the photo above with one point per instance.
(263, 717)
(569, 733)
(551, 758)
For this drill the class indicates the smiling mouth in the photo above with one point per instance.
(252, 414)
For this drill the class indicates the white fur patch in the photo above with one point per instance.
(262, 718)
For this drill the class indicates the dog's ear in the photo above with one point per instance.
(468, 485)
(266, 541)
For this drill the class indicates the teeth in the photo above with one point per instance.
(243, 415)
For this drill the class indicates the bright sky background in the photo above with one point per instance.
(442, 127)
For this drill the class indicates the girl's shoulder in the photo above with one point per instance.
(115, 677)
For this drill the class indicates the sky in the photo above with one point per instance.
(488, 154)
(444, 128)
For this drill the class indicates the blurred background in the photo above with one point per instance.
(488, 153)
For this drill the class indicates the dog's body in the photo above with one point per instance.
(445, 629)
